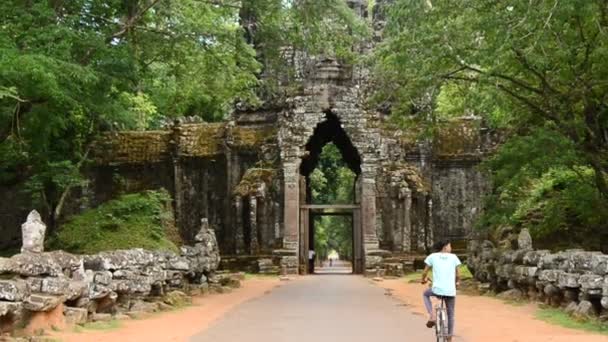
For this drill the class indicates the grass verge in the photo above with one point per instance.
(99, 326)
(561, 318)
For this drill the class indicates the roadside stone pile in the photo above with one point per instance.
(574, 279)
(105, 285)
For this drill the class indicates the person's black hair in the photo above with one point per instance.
(438, 246)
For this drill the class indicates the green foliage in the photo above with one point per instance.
(334, 233)
(332, 183)
(525, 65)
(534, 69)
(71, 69)
(277, 28)
(539, 184)
(134, 220)
(98, 326)
(561, 318)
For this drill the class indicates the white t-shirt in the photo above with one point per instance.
(311, 254)
(444, 272)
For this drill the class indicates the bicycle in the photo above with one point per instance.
(441, 319)
(441, 325)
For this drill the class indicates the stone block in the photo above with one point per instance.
(591, 281)
(55, 286)
(13, 290)
(599, 264)
(10, 308)
(75, 315)
(604, 302)
(31, 265)
(571, 308)
(103, 277)
(77, 289)
(40, 302)
(117, 260)
(585, 310)
(549, 275)
(178, 263)
(568, 280)
(513, 294)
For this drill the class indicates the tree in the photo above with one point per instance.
(333, 182)
(534, 69)
(72, 69)
(527, 64)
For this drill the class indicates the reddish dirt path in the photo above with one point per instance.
(177, 325)
(481, 319)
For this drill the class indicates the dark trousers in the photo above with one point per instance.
(450, 303)
(311, 265)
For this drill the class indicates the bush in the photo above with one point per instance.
(540, 183)
(134, 220)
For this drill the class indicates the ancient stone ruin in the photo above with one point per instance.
(574, 279)
(249, 176)
(105, 285)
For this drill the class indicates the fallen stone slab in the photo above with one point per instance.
(75, 315)
(40, 302)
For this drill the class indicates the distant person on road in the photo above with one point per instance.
(446, 278)
(311, 261)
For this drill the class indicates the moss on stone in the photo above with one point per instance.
(134, 220)
(457, 138)
(202, 140)
(252, 179)
(253, 137)
(132, 147)
(412, 175)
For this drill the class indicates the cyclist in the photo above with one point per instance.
(446, 278)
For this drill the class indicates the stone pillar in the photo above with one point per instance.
(291, 206)
(177, 185)
(425, 234)
(397, 230)
(368, 214)
(239, 236)
(277, 220)
(253, 223)
(407, 223)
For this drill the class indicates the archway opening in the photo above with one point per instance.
(329, 178)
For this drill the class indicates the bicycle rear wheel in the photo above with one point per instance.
(442, 325)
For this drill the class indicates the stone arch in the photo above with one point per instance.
(327, 131)
(296, 128)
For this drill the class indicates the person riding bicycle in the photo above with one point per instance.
(446, 278)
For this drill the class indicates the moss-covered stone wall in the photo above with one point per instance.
(133, 147)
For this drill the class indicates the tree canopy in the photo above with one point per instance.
(72, 69)
(534, 69)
